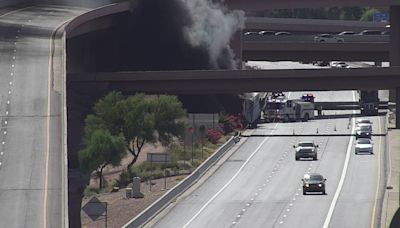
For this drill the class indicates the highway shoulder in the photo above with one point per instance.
(391, 197)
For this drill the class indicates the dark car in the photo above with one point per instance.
(370, 32)
(306, 152)
(364, 131)
(313, 182)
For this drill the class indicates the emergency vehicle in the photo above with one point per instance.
(288, 110)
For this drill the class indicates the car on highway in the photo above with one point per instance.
(364, 145)
(335, 64)
(306, 149)
(308, 97)
(266, 33)
(313, 182)
(283, 34)
(363, 121)
(346, 33)
(250, 34)
(327, 38)
(364, 131)
(370, 32)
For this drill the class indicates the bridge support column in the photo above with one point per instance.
(394, 43)
(395, 55)
(237, 46)
(397, 108)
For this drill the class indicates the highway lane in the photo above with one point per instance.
(259, 184)
(30, 171)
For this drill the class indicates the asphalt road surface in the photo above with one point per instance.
(259, 185)
(30, 114)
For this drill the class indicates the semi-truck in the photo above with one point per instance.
(252, 106)
(288, 110)
(369, 102)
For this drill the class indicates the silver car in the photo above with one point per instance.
(364, 145)
(327, 38)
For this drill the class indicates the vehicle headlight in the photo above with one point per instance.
(362, 108)
(307, 185)
(367, 133)
(319, 185)
(376, 108)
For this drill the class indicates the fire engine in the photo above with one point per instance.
(288, 110)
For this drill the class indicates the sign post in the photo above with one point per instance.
(95, 209)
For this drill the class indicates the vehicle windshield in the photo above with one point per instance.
(306, 144)
(316, 177)
(364, 127)
(305, 150)
(273, 105)
(363, 142)
(363, 121)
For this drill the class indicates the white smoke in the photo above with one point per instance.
(213, 28)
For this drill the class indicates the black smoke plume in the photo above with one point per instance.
(182, 35)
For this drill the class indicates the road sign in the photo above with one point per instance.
(380, 17)
(94, 208)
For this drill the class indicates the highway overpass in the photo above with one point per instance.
(260, 5)
(238, 81)
(304, 26)
(33, 172)
(310, 51)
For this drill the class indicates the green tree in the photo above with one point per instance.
(150, 120)
(141, 119)
(101, 149)
(368, 15)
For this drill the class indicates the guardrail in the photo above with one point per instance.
(310, 38)
(162, 202)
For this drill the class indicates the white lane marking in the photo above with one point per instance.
(5, 132)
(343, 176)
(12, 74)
(7, 113)
(10, 83)
(8, 102)
(229, 182)
(2, 153)
(15, 11)
(5, 122)
(12, 65)
(13, 57)
(3, 142)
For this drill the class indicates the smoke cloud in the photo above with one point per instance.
(212, 28)
(183, 34)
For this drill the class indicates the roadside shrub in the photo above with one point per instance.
(213, 135)
(90, 191)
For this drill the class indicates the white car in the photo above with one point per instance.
(363, 121)
(339, 65)
(327, 38)
(364, 145)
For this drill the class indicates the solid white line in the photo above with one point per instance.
(14, 11)
(343, 177)
(229, 182)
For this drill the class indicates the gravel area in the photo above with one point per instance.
(121, 209)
